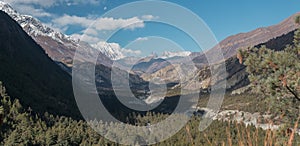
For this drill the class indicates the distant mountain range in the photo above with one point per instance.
(276, 37)
(31, 76)
(28, 72)
(61, 47)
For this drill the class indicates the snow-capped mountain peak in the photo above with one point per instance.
(33, 26)
(58, 46)
(61, 47)
(37, 30)
(168, 54)
(7, 8)
(111, 50)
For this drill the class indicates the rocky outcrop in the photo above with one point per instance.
(259, 120)
(255, 119)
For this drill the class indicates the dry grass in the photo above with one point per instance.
(290, 142)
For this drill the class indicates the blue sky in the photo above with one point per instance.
(224, 18)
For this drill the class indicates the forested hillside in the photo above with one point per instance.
(22, 127)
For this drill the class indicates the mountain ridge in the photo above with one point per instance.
(58, 46)
(237, 76)
(258, 36)
(29, 73)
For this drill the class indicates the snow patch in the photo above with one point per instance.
(169, 54)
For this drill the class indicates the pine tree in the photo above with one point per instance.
(297, 20)
(275, 74)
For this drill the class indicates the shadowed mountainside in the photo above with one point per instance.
(30, 75)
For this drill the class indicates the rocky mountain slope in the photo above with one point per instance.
(230, 45)
(237, 76)
(275, 37)
(61, 48)
(58, 46)
(262, 35)
(111, 50)
(30, 75)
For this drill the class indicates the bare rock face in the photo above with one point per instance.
(255, 119)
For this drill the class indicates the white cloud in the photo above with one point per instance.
(37, 8)
(31, 7)
(42, 3)
(77, 2)
(141, 39)
(30, 10)
(100, 23)
(72, 20)
(50, 3)
(92, 32)
(149, 17)
(113, 24)
(129, 52)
